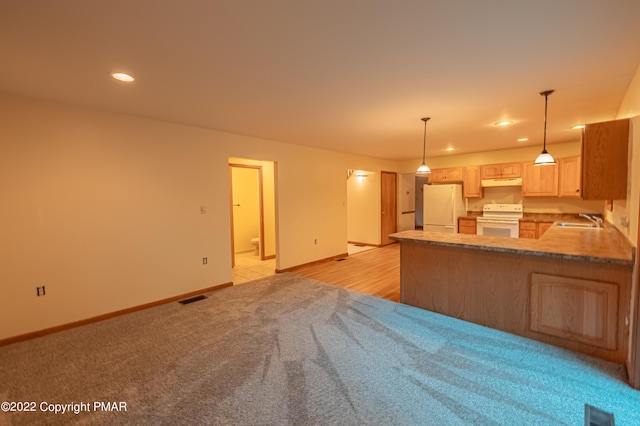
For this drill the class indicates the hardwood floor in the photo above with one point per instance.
(375, 272)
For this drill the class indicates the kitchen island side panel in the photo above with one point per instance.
(493, 289)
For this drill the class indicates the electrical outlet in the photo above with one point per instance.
(315, 241)
(205, 261)
(624, 222)
(40, 291)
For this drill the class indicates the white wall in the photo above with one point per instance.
(104, 209)
(406, 201)
(626, 211)
(529, 153)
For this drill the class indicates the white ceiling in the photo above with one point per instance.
(347, 75)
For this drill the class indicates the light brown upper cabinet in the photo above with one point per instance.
(449, 175)
(540, 181)
(605, 160)
(502, 170)
(472, 185)
(570, 177)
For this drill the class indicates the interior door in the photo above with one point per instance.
(389, 220)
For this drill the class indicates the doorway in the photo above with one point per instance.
(252, 215)
(372, 208)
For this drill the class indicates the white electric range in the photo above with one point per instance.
(499, 220)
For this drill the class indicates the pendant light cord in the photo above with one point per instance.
(424, 139)
(424, 143)
(544, 140)
(546, 99)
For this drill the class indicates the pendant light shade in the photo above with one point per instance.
(424, 169)
(545, 158)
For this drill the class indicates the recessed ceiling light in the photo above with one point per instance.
(503, 123)
(450, 149)
(120, 76)
(579, 126)
(523, 139)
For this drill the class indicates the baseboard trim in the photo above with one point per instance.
(293, 268)
(364, 244)
(44, 332)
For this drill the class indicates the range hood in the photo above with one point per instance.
(502, 182)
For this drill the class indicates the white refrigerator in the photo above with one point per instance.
(442, 205)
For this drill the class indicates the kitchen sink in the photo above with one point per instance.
(581, 225)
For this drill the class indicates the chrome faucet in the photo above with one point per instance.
(592, 218)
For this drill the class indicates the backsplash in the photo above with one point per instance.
(552, 205)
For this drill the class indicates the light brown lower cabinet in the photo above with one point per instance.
(576, 309)
(527, 230)
(579, 305)
(530, 229)
(542, 228)
(466, 226)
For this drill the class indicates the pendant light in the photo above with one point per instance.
(424, 169)
(545, 158)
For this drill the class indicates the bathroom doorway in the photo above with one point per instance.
(252, 214)
(247, 216)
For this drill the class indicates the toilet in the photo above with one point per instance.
(255, 242)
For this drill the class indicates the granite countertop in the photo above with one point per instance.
(534, 217)
(605, 244)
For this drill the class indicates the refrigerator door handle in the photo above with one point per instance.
(453, 210)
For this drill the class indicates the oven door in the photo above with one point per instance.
(497, 227)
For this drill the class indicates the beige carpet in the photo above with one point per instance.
(290, 350)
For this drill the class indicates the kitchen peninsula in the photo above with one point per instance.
(570, 288)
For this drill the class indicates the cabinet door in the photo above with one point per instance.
(604, 160)
(542, 228)
(540, 181)
(570, 177)
(511, 170)
(527, 229)
(575, 309)
(471, 186)
(454, 174)
(438, 176)
(491, 171)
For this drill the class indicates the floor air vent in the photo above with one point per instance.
(340, 260)
(192, 299)
(596, 417)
